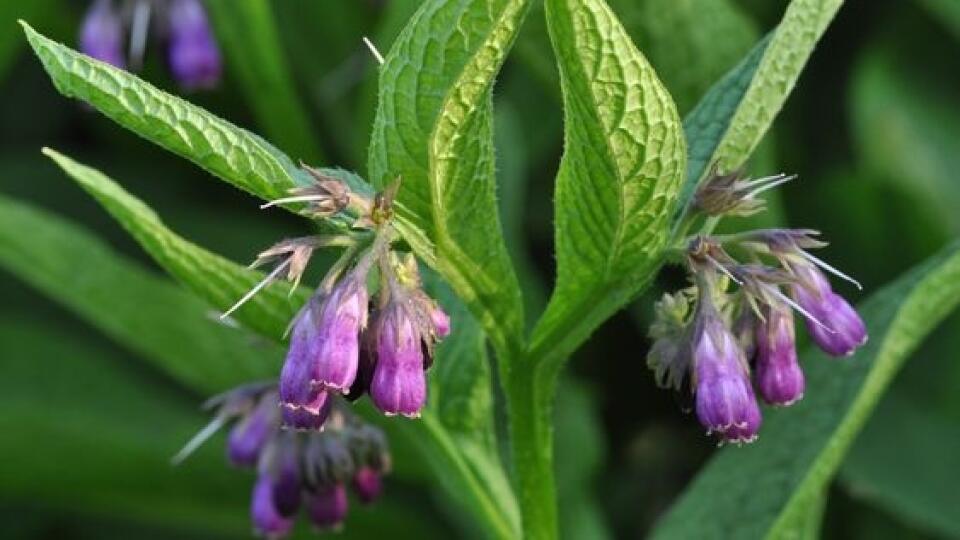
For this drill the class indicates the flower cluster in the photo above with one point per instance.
(732, 332)
(299, 434)
(298, 469)
(192, 52)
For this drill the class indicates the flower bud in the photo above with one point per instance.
(327, 506)
(725, 402)
(841, 330)
(281, 464)
(367, 484)
(343, 316)
(441, 322)
(193, 53)
(249, 436)
(778, 375)
(101, 36)
(399, 384)
(266, 519)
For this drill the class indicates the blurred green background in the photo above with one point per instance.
(87, 424)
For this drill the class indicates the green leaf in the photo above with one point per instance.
(730, 121)
(691, 43)
(248, 34)
(470, 471)
(767, 489)
(213, 278)
(221, 148)
(152, 316)
(433, 129)
(95, 434)
(618, 179)
(923, 493)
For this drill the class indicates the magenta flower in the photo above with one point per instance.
(778, 375)
(101, 35)
(193, 53)
(399, 383)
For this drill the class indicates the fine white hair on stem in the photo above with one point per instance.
(297, 198)
(197, 440)
(770, 183)
(256, 288)
(832, 270)
(138, 33)
(373, 50)
(723, 269)
(786, 299)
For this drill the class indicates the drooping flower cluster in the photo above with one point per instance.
(299, 433)
(308, 469)
(182, 25)
(732, 332)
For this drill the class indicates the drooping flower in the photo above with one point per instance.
(841, 330)
(101, 35)
(779, 379)
(251, 434)
(327, 506)
(193, 53)
(367, 484)
(296, 376)
(281, 464)
(342, 318)
(725, 402)
(399, 384)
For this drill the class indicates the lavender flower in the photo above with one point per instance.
(778, 375)
(267, 520)
(725, 402)
(312, 415)
(441, 321)
(193, 53)
(367, 484)
(296, 388)
(250, 435)
(343, 316)
(281, 464)
(840, 330)
(399, 384)
(327, 506)
(101, 35)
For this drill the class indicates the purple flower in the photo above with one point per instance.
(193, 54)
(441, 322)
(399, 384)
(312, 415)
(725, 402)
(101, 36)
(840, 330)
(367, 484)
(327, 506)
(266, 519)
(778, 375)
(343, 316)
(251, 434)
(296, 388)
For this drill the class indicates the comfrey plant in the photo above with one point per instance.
(634, 191)
(709, 339)
(192, 52)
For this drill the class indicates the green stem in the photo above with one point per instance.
(530, 410)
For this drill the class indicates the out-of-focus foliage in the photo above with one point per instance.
(90, 420)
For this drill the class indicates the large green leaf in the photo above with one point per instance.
(152, 316)
(618, 179)
(210, 276)
(691, 43)
(768, 489)
(95, 434)
(225, 150)
(732, 118)
(907, 465)
(456, 445)
(433, 129)
(249, 36)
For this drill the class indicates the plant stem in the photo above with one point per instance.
(530, 410)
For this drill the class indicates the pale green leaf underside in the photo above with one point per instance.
(433, 129)
(477, 476)
(152, 316)
(767, 489)
(215, 279)
(622, 165)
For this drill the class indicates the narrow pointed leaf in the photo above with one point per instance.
(769, 489)
(738, 110)
(433, 130)
(621, 169)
